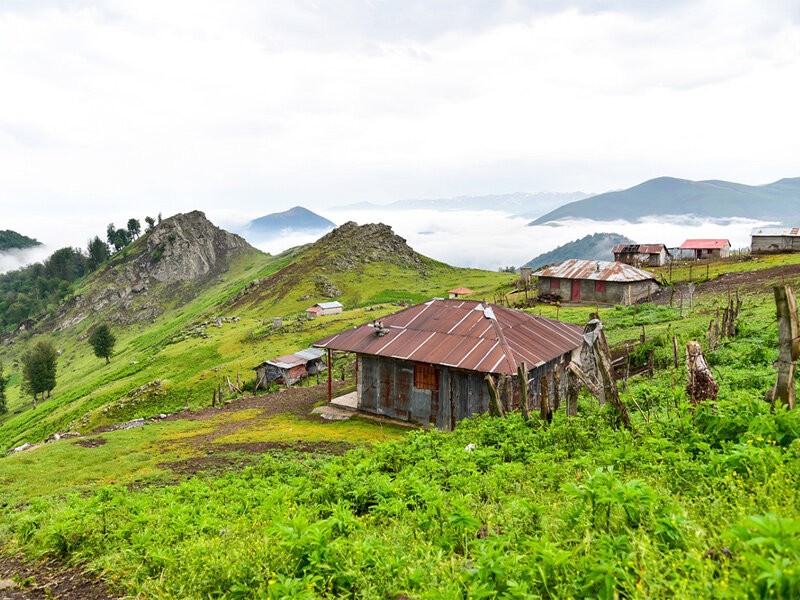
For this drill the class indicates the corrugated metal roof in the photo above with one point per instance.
(639, 248)
(326, 305)
(704, 244)
(313, 309)
(460, 290)
(298, 358)
(775, 231)
(464, 334)
(595, 269)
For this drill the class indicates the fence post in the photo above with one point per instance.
(789, 337)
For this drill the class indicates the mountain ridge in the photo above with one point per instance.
(596, 246)
(11, 240)
(664, 196)
(297, 219)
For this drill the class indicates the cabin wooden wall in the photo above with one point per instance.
(385, 386)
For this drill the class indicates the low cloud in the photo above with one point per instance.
(491, 239)
(11, 260)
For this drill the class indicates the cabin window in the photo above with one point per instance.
(599, 286)
(425, 377)
(554, 283)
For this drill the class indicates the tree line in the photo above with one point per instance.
(39, 287)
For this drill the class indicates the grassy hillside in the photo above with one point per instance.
(596, 246)
(182, 345)
(702, 505)
(671, 196)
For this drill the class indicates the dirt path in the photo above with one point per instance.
(742, 280)
(48, 579)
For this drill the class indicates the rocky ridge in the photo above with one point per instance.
(345, 249)
(184, 248)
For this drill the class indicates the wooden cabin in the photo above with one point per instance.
(641, 255)
(775, 240)
(596, 282)
(290, 368)
(428, 363)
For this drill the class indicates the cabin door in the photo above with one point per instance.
(576, 290)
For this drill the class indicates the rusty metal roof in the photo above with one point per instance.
(639, 248)
(300, 357)
(460, 290)
(704, 244)
(775, 231)
(464, 334)
(595, 269)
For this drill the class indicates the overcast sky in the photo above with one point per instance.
(116, 109)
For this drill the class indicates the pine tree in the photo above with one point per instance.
(102, 342)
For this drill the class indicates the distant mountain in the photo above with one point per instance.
(294, 220)
(11, 240)
(523, 204)
(778, 201)
(592, 247)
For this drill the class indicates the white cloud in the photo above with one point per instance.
(490, 239)
(256, 107)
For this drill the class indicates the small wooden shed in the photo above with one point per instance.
(459, 291)
(290, 368)
(651, 255)
(775, 240)
(324, 308)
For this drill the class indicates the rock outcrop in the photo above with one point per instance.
(185, 248)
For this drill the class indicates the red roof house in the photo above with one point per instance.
(705, 248)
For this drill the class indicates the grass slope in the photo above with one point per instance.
(173, 348)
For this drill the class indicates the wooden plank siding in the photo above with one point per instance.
(385, 386)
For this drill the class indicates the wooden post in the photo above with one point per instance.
(651, 362)
(607, 379)
(213, 398)
(700, 383)
(675, 350)
(522, 380)
(789, 338)
(544, 398)
(710, 344)
(238, 381)
(501, 387)
(584, 379)
(573, 389)
(627, 373)
(643, 337)
(556, 389)
(680, 313)
(495, 406)
(330, 383)
(509, 395)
